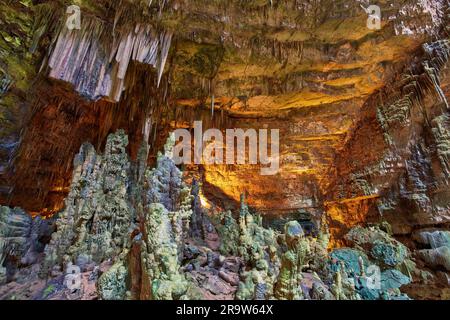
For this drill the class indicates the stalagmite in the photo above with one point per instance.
(95, 223)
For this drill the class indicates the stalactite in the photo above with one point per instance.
(47, 17)
(413, 89)
(96, 67)
(165, 40)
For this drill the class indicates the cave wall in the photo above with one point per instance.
(394, 165)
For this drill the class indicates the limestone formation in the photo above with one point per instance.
(228, 230)
(436, 258)
(359, 207)
(97, 65)
(382, 247)
(258, 249)
(97, 217)
(100, 219)
(167, 213)
(432, 238)
(343, 287)
(292, 263)
(441, 133)
(197, 224)
(112, 285)
(375, 268)
(320, 292)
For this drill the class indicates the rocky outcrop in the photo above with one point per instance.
(436, 242)
(96, 67)
(364, 126)
(432, 238)
(167, 213)
(381, 246)
(402, 177)
(436, 258)
(376, 266)
(406, 172)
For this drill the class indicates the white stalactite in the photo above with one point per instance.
(97, 68)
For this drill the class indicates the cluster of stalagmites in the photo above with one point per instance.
(145, 236)
(296, 266)
(419, 164)
(97, 213)
(167, 214)
(102, 222)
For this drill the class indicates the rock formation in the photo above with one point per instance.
(167, 214)
(360, 205)
(95, 223)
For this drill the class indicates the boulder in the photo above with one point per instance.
(436, 258)
(380, 245)
(388, 254)
(393, 279)
(433, 238)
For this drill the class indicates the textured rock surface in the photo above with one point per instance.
(112, 284)
(97, 218)
(382, 247)
(433, 238)
(376, 268)
(22, 240)
(436, 258)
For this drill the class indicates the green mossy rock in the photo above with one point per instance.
(112, 284)
(393, 279)
(380, 245)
